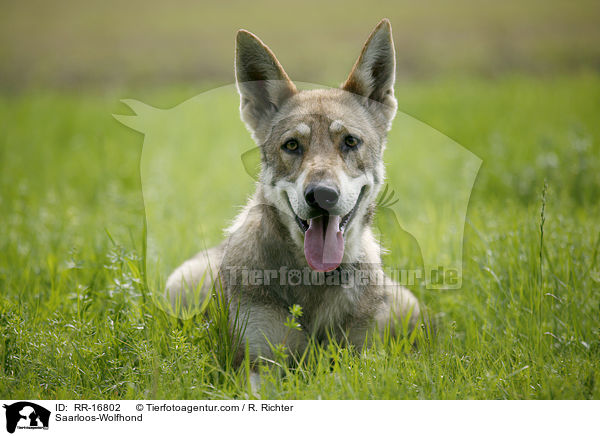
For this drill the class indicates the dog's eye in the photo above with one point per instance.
(292, 146)
(351, 141)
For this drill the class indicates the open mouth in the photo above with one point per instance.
(324, 238)
(304, 225)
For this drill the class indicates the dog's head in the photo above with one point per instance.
(321, 149)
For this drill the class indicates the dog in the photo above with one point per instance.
(309, 221)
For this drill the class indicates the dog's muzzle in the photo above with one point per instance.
(323, 231)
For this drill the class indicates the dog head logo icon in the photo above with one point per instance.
(24, 414)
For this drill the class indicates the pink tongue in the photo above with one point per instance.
(324, 250)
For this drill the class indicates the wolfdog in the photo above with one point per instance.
(308, 223)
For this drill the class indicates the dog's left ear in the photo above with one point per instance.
(262, 83)
(374, 72)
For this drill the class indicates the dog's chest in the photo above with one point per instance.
(324, 307)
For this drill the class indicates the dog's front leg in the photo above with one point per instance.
(263, 332)
(394, 309)
(400, 310)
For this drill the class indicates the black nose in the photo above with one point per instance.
(321, 196)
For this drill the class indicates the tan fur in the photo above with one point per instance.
(266, 235)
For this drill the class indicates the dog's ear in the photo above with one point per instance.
(374, 72)
(261, 81)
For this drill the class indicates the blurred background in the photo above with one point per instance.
(66, 43)
(515, 82)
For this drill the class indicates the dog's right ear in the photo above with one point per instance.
(261, 81)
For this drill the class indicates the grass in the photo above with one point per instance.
(77, 322)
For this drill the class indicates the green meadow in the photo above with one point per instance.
(77, 320)
(515, 83)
